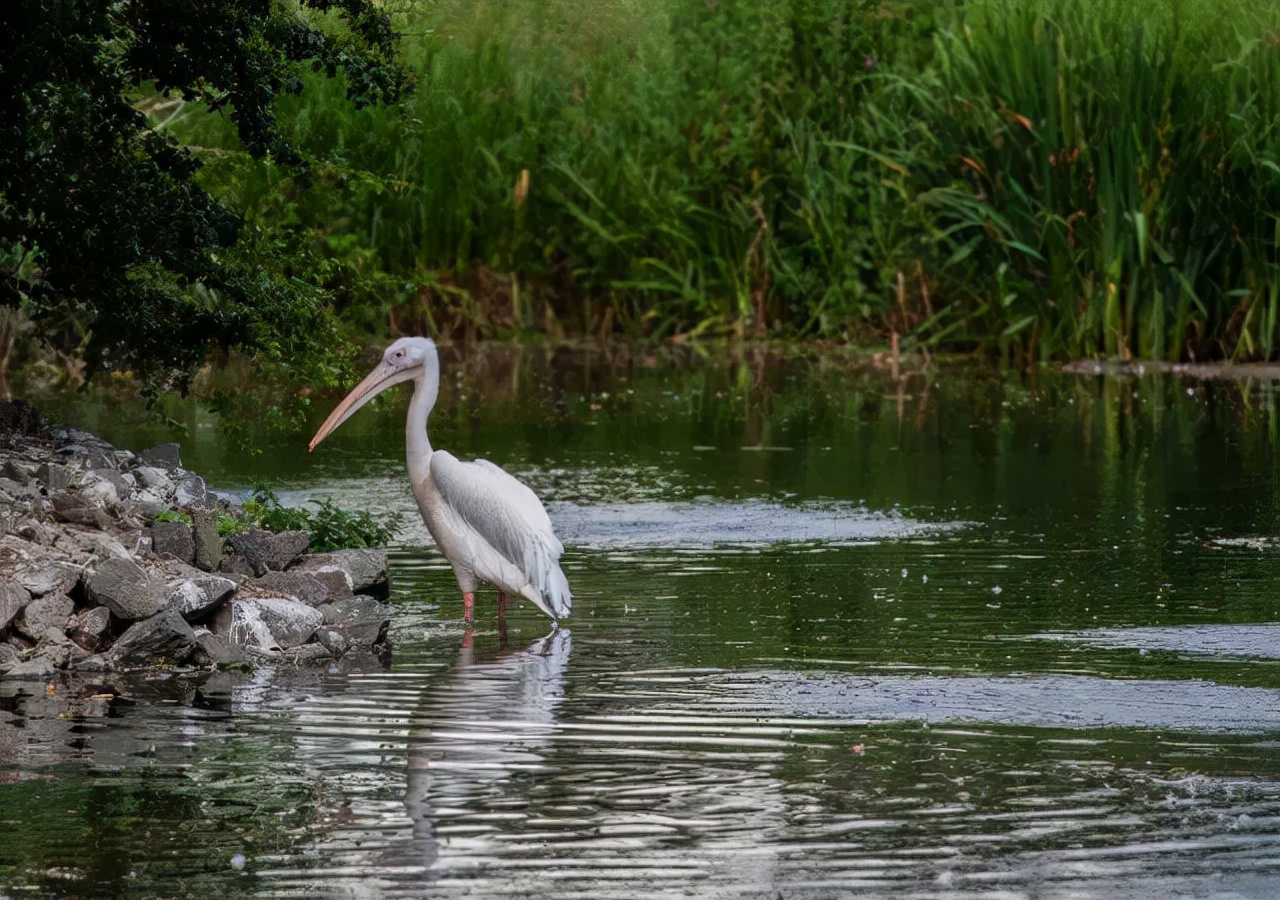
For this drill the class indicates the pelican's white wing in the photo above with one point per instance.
(512, 521)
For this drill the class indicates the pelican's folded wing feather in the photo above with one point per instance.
(511, 518)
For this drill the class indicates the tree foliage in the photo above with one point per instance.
(106, 238)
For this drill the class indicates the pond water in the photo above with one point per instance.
(969, 633)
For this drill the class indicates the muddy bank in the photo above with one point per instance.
(112, 561)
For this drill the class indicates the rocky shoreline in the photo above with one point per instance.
(93, 578)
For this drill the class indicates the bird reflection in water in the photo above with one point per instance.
(482, 736)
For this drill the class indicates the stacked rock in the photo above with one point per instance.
(90, 581)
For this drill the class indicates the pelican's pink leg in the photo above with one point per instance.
(468, 606)
(502, 604)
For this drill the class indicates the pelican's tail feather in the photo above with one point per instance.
(555, 593)
(546, 585)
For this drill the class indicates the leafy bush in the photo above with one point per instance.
(107, 239)
(330, 527)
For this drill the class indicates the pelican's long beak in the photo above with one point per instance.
(377, 381)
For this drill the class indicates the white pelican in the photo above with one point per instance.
(489, 526)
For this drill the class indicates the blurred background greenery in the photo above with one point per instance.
(1029, 179)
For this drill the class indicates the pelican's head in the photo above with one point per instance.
(406, 359)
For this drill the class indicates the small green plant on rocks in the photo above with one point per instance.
(330, 527)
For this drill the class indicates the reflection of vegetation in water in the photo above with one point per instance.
(853, 431)
(161, 830)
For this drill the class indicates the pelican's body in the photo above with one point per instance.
(490, 526)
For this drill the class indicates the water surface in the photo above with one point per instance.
(971, 634)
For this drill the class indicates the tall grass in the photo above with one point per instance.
(1111, 169)
(1051, 177)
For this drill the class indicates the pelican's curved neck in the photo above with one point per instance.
(417, 443)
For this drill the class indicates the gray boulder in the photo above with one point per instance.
(86, 457)
(13, 599)
(215, 650)
(163, 456)
(59, 649)
(17, 490)
(287, 548)
(8, 657)
(173, 540)
(362, 621)
(98, 664)
(195, 598)
(155, 479)
(208, 543)
(333, 641)
(145, 505)
(21, 472)
(90, 628)
(51, 577)
(193, 492)
(52, 611)
(241, 623)
(252, 547)
(127, 589)
(164, 638)
(265, 551)
(120, 486)
(53, 476)
(100, 545)
(336, 580)
(77, 510)
(291, 623)
(366, 568)
(35, 531)
(35, 668)
(300, 586)
(101, 493)
(306, 655)
(236, 567)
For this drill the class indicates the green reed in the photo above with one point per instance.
(1111, 170)
(1046, 177)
